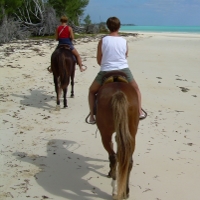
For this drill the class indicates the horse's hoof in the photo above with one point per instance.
(65, 106)
(57, 108)
(72, 96)
(126, 196)
(115, 197)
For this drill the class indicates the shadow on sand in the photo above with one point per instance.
(63, 171)
(37, 99)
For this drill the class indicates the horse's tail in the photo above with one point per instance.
(123, 139)
(63, 63)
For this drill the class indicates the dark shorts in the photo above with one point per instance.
(66, 41)
(127, 71)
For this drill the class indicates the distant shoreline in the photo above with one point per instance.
(170, 34)
(162, 29)
(128, 25)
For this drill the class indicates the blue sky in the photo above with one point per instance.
(146, 12)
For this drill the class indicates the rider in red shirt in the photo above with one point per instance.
(64, 35)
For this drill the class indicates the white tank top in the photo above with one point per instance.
(114, 50)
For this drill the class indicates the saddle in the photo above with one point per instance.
(67, 47)
(114, 76)
(64, 46)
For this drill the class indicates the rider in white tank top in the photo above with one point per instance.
(114, 50)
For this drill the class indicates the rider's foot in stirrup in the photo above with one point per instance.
(92, 120)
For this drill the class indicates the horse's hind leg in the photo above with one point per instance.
(72, 82)
(108, 145)
(72, 88)
(64, 97)
(127, 184)
(113, 162)
(113, 175)
(58, 92)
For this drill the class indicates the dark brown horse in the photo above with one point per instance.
(63, 68)
(117, 111)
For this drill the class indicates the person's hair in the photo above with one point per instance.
(63, 19)
(113, 24)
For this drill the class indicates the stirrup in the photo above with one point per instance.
(144, 115)
(87, 120)
(49, 69)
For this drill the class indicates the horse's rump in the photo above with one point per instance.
(104, 105)
(62, 65)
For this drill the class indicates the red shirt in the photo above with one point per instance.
(65, 33)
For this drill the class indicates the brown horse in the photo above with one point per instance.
(117, 111)
(63, 68)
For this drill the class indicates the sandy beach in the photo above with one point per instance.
(47, 154)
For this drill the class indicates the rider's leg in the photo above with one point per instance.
(135, 85)
(75, 52)
(91, 98)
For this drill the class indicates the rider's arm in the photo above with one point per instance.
(71, 33)
(126, 50)
(99, 52)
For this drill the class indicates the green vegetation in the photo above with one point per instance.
(73, 9)
(8, 7)
(21, 19)
(87, 20)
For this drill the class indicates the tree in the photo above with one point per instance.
(10, 28)
(21, 18)
(8, 7)
(73, 9)
(37, 16)
(87, 20)
(31, 13)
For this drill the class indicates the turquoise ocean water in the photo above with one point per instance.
(162, 29)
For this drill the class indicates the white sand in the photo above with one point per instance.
(55, 155)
